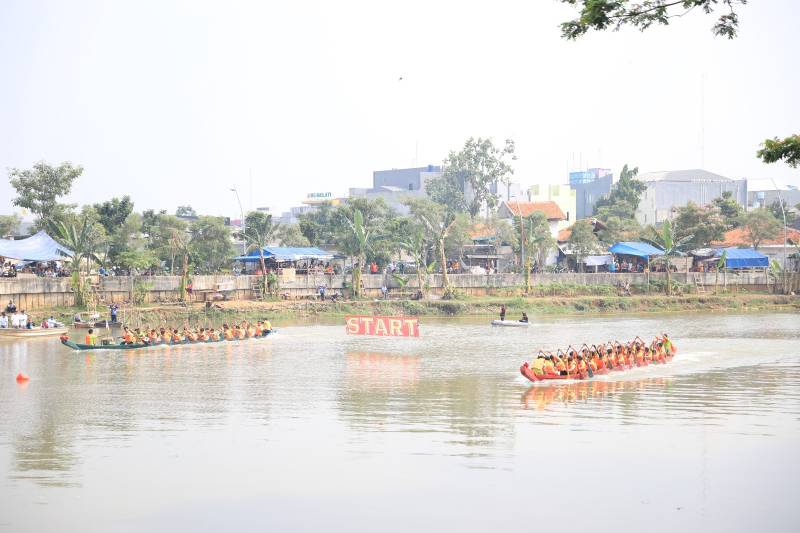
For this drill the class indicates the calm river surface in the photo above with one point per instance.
(313, 430)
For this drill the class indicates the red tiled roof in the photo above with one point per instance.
(550, 209)
(739, 237)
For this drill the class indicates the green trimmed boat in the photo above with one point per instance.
(76, 346)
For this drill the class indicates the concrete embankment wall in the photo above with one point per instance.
(39, 293)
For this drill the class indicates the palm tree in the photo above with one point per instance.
(259, 232)
(536, 240)
(666, 241)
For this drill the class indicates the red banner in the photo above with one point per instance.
(382, 326)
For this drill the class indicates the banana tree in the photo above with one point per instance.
(721, 264)
(437, 221)
(362, 238)
(415, 245)
(84, 240)
(535, 241)
(665, 239)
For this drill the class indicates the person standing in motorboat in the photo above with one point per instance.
(502, 312)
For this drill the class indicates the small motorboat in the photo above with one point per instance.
(511, 323)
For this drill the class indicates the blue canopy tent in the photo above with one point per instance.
(39, 247)
(737, 258)
(638, 249)
(276, 253)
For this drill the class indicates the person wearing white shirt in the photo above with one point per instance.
(23, 319)
(15, 320)
(3, 320)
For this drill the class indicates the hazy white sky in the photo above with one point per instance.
(175, 102)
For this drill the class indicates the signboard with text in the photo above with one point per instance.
(382, 326)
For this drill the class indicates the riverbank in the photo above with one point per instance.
(483, 306)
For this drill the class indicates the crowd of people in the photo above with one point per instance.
(612, 354)
(153, 336)
(11, 318)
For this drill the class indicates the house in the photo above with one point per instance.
(563, 195)
(772, 248)
(514, 209)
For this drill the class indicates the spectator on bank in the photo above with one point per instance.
(384, 292)
(321, 292)
(11, 307)
(3, 320)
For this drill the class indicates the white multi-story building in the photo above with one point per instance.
(668, 190)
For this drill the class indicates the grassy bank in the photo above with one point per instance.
(484, 306)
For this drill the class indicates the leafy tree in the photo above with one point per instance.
(377, 217)
(185, 211)
(729, 208)
(779, 207)
(760, 225)
(112, 213)
(617, 228)
(258, 234)
(132, 260)
(475, 169)
(437, 220)
(210, 245)
(703, 225)
(666, 239)
(536, 240)
(8, 225)
(641, 14)
(415, 245)
(448, 190)
(583, 241)
(39, 188)
(786, 150)
(624, 198)
(166, 236)
(290, 235)
(318, 226)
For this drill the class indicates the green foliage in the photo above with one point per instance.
(780, 209)
(84, 236)
(166, 236)
(137, 260)
(729, 208)
(625, 195)
(210, 245)
(185, 211)
(476, 168)
(318, 225)
(141, 289)
(39, 188)
(113, 213)
(613, 14)
(786, 150)
(759, 225)
(667, 240)
(290, 235)
(8, 225)
(703, 225)
(583, 241)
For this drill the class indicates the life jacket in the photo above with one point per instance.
(560, 366)
(538, 366)
(89, 339)
(593, 364)
(267, 325)
(228, 334)
(581, 366)
(128, 338)
(549, 367)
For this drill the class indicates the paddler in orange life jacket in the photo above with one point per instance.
(549, 366)
(127, 336)
(91, 338)
(581, 365)
(668, 348)
(538, 365)
(561, 366)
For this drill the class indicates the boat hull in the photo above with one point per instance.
(88, 347)
(510, 323)
(21, 333)
(526, 371)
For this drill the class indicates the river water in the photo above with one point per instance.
(314, 430)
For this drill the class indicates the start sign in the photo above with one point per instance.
(382, 326)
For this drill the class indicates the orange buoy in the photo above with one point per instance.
(22, 378)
